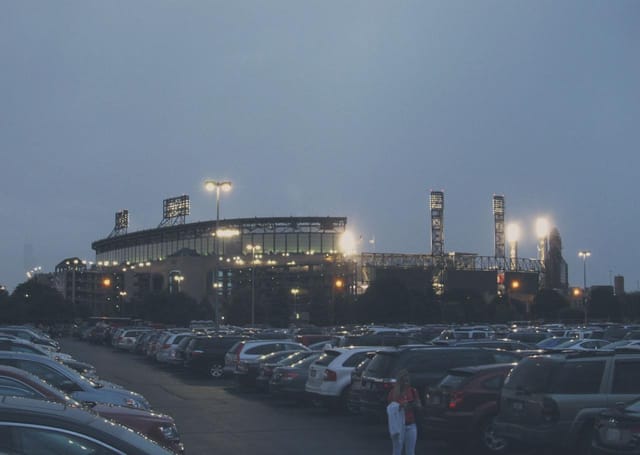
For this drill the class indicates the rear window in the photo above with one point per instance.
(381, 365)
(531, 375)
(454, 381)
(326, 358)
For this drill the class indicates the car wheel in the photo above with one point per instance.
(489, 441)
(216, 371)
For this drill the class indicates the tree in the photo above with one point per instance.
(178, 309)
(35, 302)
(547, 304)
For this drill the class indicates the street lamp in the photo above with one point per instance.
(584, 254)
(217, 186)
(253, 249)
(542, 232)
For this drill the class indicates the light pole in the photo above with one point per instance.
(253, 249)
(584, 254)
(217, 186)
(295, 292)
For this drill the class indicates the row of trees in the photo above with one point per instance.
(387, 300)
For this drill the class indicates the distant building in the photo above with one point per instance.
(557, 272)
(618, 285)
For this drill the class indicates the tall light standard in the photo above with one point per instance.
(584, 254)
(295, 292)
(253, 249)
(513, 236)
(542, 232)
(217, 186)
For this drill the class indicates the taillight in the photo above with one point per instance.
(330, 375)
(635, 431)
(166, 346)
(387, 385)
(456, 399)
(549, 411)
(289, 375)
(196, 353)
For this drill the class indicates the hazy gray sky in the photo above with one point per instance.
(340, 108)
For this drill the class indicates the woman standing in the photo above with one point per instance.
(408, 399)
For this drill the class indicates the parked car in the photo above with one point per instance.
(206, 354)
(552, 401)
(159, 427)
(461, 407)
(247, 350)
(270, 362)
(289, 380)
(552, 342)
(125, 339)
(247, 371)
(33, 427)
(32, 336)
(617, 431)
(509, 345)
(353, 399)
(426, 366)
(71, 382)
(168, 346)
(581, 345)
(329, 380)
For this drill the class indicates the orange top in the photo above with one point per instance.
(409, 396)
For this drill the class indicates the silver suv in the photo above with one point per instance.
(553, 400)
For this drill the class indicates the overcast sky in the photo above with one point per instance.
(323, 108)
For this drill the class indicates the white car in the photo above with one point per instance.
(329, 378)
(582, 345)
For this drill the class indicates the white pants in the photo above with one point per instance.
(406, 439)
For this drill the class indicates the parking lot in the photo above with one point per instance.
(216, 417)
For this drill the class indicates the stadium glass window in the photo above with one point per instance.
(280, 243)
(268, 243)
(292, 243)
(315, 242)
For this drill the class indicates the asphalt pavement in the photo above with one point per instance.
(215, 417)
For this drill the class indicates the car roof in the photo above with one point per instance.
(482, 368)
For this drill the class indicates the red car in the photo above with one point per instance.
(461, 408)
(158, 427)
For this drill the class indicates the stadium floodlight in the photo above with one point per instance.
(542, 228)
(513, 232)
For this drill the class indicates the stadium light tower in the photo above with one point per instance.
(513, 236)
(217, 186)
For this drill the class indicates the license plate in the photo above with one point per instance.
(613, 435)
(435, 399)
(517, 406)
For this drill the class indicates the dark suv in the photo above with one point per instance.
(205, 354)
(461, 408)
(426, 366)
(553, 400)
